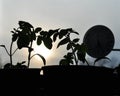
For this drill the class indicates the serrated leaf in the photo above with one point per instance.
(38, 29)
(76, 40)
(62, 42)
(98, 59)
(43, 59)
(55, 36)
(62, 33)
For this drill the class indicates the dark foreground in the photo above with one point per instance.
(60, 81)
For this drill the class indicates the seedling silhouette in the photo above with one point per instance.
(24, 36)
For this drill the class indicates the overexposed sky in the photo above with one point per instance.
(52, 14)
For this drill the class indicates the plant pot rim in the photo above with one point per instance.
(73, 69)
(74, 66)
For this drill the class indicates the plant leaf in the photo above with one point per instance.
(2, 45)
(43, 59)
(44, 33)
(39, 40)
(14, 37)
(62, 33)
(12, 32)
(76, 40)
(68, 46)
(63, 62)
(23, 62)
(74, 32)
(51, 32)
(100, 59)
(24, 24)
(55, 36)
(81, 56)
(48, 42)
(62, 42)
(38, 29)
(23, 41)
(69, 29)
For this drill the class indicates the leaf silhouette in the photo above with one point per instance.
(23, 42)
(55, 36)
(76, 40)
(24, 24)
(75, 32)
(81, 56)
(23, 62)
(51, 32)
(39, 40)
(68, 46)
(72, 31)
(62, 42)
(63, 62)
(48, 42)
(2, 45)
(38, 29)
(69, 29)
(14, 37)
(62, 33)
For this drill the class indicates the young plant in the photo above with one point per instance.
(78, 51)
(24, 36)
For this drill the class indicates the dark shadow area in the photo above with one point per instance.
(22, 82)
(60, 81)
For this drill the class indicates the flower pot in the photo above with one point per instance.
(20, 81)
(77, 80)
(76, 70)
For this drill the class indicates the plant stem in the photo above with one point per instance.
(76, 61)
(29, 55)
(14, 51)
(7, 51)
(74, 55)
(87, 62)
(11, 53)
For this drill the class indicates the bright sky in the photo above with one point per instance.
(51, 14)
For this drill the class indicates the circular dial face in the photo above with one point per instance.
(99, 40)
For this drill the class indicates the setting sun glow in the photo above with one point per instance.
(42, 50)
